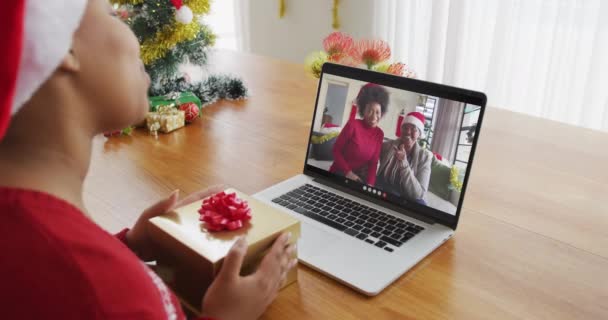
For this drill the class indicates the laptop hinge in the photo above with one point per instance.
(375, 201)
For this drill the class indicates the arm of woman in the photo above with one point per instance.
(415, 186)
(373, 164)
(340, 163)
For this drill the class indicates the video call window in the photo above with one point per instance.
(412, 146)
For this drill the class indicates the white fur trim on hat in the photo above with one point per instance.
(49, 28)
(184, 15)
(415, 121)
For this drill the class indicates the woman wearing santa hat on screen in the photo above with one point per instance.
(405, 167)
(69, 70)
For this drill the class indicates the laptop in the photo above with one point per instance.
(368, 229)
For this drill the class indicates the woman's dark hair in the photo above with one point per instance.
(370, 93)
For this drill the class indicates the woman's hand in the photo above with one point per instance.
(400, 152)
(138, 239)
(353, 176)
(232, 297)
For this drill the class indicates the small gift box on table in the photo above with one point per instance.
(185, 101)
(191, 254)
(165, 120)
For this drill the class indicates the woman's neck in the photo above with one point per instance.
(47, 151)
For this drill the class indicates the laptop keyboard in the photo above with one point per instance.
(356, 220)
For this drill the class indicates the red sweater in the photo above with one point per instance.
(57, 264)
(358, 148)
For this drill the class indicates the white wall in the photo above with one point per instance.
(305, 24)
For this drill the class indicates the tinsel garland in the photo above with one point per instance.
(166, 44)
(334, 12)
(198, 6)
(281, 8)
(210, 90)
(167, 39)
(131, 2)
(172, 34)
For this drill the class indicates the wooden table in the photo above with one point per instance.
(533, 237)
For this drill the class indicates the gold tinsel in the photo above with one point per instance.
(334, 12)
(170, 35)
(198, 6)
(336, 19)
(123, 2)
(167, 39)
(281, 8)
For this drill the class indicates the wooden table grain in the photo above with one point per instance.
(533, 237)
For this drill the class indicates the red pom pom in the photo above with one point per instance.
(224, 211)
(191, 110)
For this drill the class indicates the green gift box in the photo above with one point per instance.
(174, 98)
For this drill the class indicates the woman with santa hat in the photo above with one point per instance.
(405, 167)
(70, 70)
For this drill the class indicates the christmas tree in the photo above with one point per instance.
(171, 33)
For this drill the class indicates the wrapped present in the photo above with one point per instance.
(166, 119)
(192, 241)
(176, 99)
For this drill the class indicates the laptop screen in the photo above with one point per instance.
(409, 148)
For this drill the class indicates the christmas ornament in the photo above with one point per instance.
(191, 111)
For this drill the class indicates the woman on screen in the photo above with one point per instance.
(357, 149)
(405, 167)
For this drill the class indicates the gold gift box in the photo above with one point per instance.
(190, 256)
(165, 120)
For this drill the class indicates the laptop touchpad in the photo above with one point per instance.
(314, 240)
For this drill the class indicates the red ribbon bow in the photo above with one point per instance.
(224, 211)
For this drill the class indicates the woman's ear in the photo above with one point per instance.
(70, 62)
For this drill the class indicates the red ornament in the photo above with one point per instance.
(191, 110)
(224, 211)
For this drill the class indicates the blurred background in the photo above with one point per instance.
(546, 58)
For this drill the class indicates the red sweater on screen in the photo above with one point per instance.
(357, 148)
(57, 264)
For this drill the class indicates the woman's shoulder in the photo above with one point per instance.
(379, 133)
(80, 257)
(425, 154)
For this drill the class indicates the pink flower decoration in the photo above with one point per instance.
(371, 52)
(337, 45)
(396, 69)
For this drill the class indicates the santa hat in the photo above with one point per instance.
(37, 34)
(417, 119)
